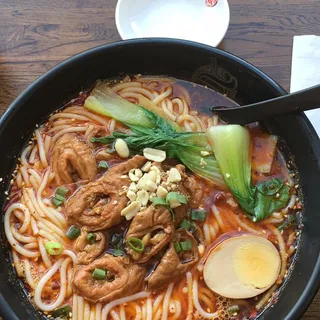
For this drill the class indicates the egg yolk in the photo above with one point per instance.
(251, 263)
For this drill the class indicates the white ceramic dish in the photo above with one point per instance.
(182, 19)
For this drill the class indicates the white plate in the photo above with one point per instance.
(183, 19)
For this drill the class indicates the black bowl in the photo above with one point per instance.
(198, 63)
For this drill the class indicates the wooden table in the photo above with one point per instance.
(35, 35)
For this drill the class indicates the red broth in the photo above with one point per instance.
(190, 106)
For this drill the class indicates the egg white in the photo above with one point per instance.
(242, 267)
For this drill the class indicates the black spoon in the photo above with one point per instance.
(294, 102)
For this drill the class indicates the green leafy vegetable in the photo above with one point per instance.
(104, 101)
(232, 147)
(149, 129)
(62, 312)
(230, 164)
(266, 203)
(270, 187)
(291, 221)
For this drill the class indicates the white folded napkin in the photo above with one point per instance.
(305, 69)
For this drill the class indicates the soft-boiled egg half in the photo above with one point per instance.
(242, 267)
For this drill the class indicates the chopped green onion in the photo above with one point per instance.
(187, 225)
(91, 238)
(156, 201)
(62, 191)
(54, 248)
(60, 197)
(73, 232)
(62, 312)
(57, 202)
(198, 215)
(185, 245)
(135, 244)
(103, 165)
(177, 246)
(99, 274)
(172, 196)
(231, 310)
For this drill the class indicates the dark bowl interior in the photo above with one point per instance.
(201, 64)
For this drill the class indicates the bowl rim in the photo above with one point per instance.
(312, 287)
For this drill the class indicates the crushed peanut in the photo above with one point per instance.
(131, 210)
(174, 175)
(154, 154)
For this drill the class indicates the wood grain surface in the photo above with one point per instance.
(35, 35)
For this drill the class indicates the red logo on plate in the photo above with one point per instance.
(211, 3)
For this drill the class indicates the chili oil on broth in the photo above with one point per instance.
(31, 219)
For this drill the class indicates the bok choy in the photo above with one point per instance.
(232, 148)
(150, 130)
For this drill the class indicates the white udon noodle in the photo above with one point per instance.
(40, 221)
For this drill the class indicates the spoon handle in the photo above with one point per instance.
(303, 100)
